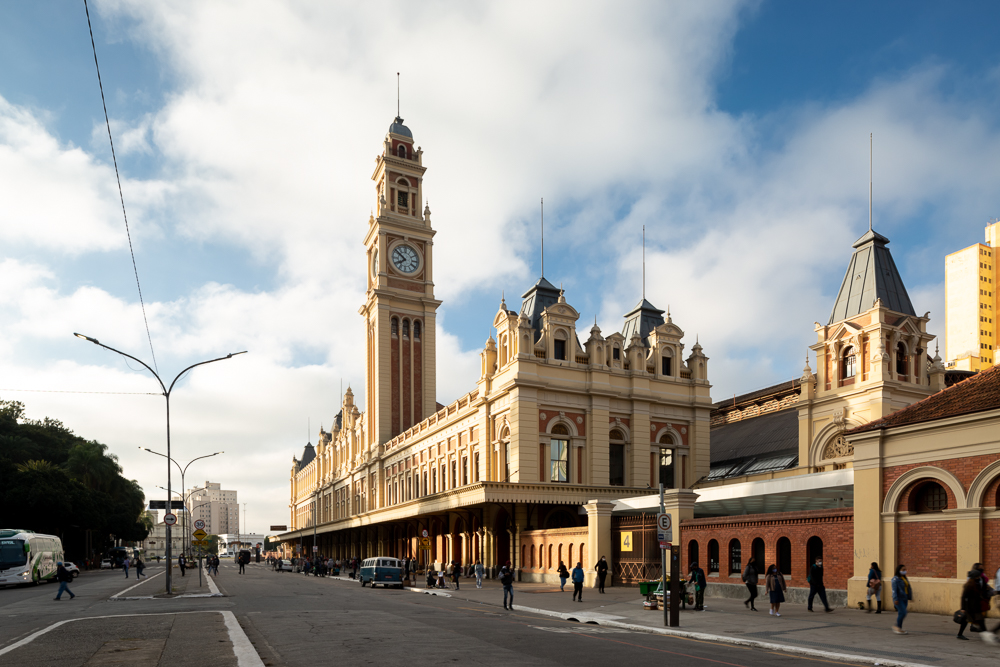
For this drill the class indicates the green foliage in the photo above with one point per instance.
(213, 544)
(53, 481)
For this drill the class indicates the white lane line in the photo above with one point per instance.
(212, 587)
(137, 585)
(246, 654)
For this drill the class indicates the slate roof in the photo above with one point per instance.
(976, 394)
(308, 454)
(767, 435)
(397, 127)
(541, 295)
(871, 275)
(787, 386)
(642, 320)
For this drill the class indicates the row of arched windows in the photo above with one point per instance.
(849, 362)
(394, 328)
(738, 557)
(535, 557)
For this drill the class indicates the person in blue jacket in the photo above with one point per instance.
(578, 582)
(901, 596)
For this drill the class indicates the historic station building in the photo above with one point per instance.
(526, 465)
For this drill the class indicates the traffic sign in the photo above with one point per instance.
(199, 524)
(170, 519)
(664, 527)
(423, 533)
(200, 543)
(425, 543)
(199, 534)
(315, 548)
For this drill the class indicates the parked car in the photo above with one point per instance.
(106, 564)
(72, 569)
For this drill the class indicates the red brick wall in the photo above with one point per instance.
(991, 545)
(965, 469)
(927, 548)
(394, 381)
(834, 527)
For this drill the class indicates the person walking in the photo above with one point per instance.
(507, 581)
(125, 564)
(479, 574)
(816, 586)
(242, 560)
(182, 563)
(774, 582)
(875, 588)
(750, 579)
(971, 605)
(63, 577)
(140, 567)
(456, 572)
(696, 575)
(578, 582)
(602, 573)
(563, 575)
(901, 596)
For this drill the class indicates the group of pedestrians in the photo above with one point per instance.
(140, 567)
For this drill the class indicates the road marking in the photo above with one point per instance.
(212, 587)
(588, 630)
(137, 585)
(246, 655)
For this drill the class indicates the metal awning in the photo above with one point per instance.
(822, 490)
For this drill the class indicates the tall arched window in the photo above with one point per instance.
(666, 461)
(814, 550)
(735, 557)
(532, 556)
(550, 557)
(757, 551)
(692, 552)
(416, 329)
(394, 326)
(902, 362)
(406, 328)
(713, 556)
(559, 351)
(559, 454)
(784, 555)
(666, 362)
(616, 458)
(401, 150)
(569, 563)
(847, 366)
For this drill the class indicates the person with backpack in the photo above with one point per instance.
(816, 586)
(971, 611)
(182, 563)
(563, 575)
(140, 567)
(507, 581)
(750, 579)
(901, 596)
(63, 576)
(602, 573)
(578, 582)
(875, 588)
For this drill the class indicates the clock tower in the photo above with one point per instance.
(400, 307)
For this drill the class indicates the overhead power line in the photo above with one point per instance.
(121, 196)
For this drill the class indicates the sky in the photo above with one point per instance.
(245, 133)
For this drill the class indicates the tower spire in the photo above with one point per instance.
(397, 94)
(644, 262)
(543, 236)
(870, 143)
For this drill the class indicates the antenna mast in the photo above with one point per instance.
(644, 262)
(870, 182)
(543, 237)
(397, 94)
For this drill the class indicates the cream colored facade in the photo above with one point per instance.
(217, 507)
(971, 303)
(549, 434)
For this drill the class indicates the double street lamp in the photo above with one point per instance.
(185, 497)
(166, 395)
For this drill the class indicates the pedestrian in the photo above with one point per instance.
(696, 575)
(774, 582)
(816, 586)
(507, 581)
(901, 596)
(140, 567)
(602, 573)
(875, 588)
(563, 575)
(971, 607)
(431, 579)
(985, 592)
(578, 582)
(63, 577)
(479, 574)
(456, 571)
(125, 567)
(182, 563)
(750, 579)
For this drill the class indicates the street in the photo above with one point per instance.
(296, 620)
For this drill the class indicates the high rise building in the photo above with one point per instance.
(971, 302)
(217, 507)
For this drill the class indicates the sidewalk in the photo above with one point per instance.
(847, 632)
(153, 585)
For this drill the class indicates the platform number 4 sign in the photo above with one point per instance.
(627, 541)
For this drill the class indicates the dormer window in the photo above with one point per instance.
(401, 150)
(616, 353)
(666, 365)
(559, 346)
(847, 366)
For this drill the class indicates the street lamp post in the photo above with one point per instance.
(185, 497)
(166, 395)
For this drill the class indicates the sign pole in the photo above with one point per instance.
(663, 567)
(675, 585)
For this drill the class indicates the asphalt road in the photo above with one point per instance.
(294, 620)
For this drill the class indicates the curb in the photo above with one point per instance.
(425, 591)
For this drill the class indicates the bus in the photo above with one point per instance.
(27, 557)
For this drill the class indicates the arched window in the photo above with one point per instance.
(550, 557)
(583, 554)
(532, 556)
(713, 556)
(524, 552)
(401, 150)
(902, 362)
(394, 326)
(616, 458)
(559, 454)
(735, 557)
(416, 329)
(666, 461)
(666, 362)
(757, 551)
(785, 555)
(406, 328)
(692, 552)
(814, 550)
(616, 353)
(930, 497)
(847, 366)
(559, 351)
(570, 563)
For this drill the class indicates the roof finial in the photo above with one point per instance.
(644, 262)
(397, 94)
(870, 143)
(543, 237)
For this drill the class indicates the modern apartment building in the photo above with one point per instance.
(217, 507)
(971, 303)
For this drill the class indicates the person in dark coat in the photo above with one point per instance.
(63, 576)
(816, 586)
(602, 574)
(971, 604)
(774, 582)
(875, 587)
(750, 579)
(696, 575)
(563, 575)
(902, 594)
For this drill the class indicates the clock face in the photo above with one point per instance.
(405, 259)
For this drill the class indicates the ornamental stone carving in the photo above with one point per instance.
(838, 448)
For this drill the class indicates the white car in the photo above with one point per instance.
(72, 569)
(106, 564)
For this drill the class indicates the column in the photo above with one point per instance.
(598, 537)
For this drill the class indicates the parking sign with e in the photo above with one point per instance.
(664, 527)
